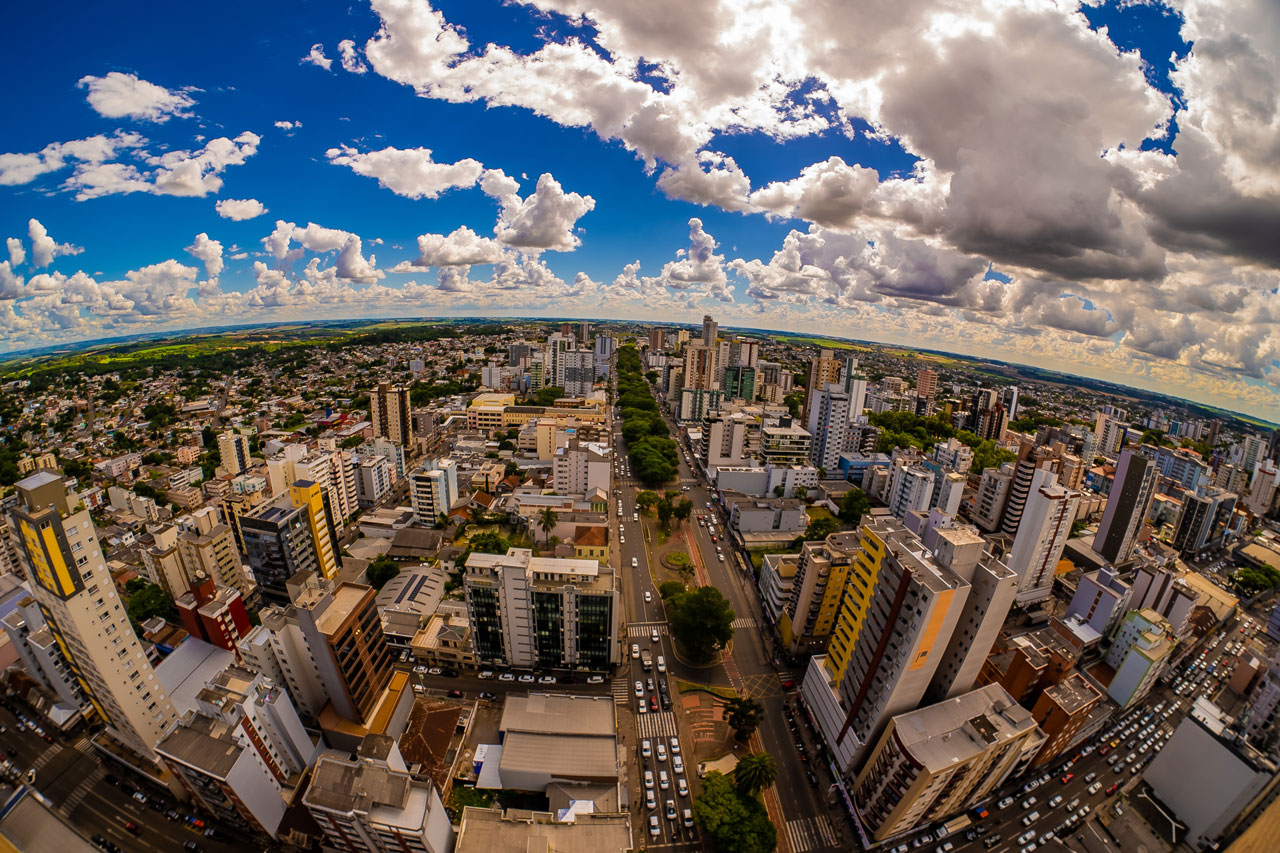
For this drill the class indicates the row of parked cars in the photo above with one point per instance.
(522, 678)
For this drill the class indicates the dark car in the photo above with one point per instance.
(813, 778)
(485, 694)
(173, 814)
(157, 805)
(111, 779)
(653, 703)
(133, 827)
(455, 694)
(191, 845)
(788, 685)
(127, 789)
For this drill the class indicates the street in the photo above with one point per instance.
(803, 820)
(72, 776)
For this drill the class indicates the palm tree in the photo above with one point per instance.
(547, 519)
(755, 772)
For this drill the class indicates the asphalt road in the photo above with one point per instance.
(71, 775)
(805, 824)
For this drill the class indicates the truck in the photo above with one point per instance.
(646, 660)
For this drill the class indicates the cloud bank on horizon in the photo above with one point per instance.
(1091, 186)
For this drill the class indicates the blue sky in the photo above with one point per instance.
(1057, 186)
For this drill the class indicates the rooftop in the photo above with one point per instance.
(340, 785)
(958, 729)
(1073, 693)
(346, 599)
(203, 743)
(522, 558)
(487, 830)
(559, 713)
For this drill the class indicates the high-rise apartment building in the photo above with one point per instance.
(740, 382)
(709, 330)
(829, 426)
(899, 610)
(1132, 491)
(809, 613)
(926, 382)
(1061, 711)
(1203, 520)
(1141, 650)
(233, 452)
(910, 489)
(934, 762)
(344, 634)
(1110, 431)
(278, 545)
(543, 612)
(657, 339)
(433, 489)
(553, 361)
(207, 545)
(1262, 491)
(579, 372)
(42, 658)
(314, 502)
(993, 493)
(1046, 525)
(279, 650)
(1031, 459)
(59, 549)
(824, 370)
(389, 411)
(992, 589)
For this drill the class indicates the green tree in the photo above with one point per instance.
(793, 402)
(547, 519)
(665, 510)
(683, 510)
(547, 396)
(1252, 581)
(821, 527)
(511, 468)
(646, 499)
(381, 570)
(736, 822)
(779, 491)
(702, 621)
(743, 715)
(754, 773)
(671, 591)
(854, 506)
(489, 542)
(149, 601)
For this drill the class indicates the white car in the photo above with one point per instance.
(687, 816)
(664, 781)
(547, 679)
(662, 664)
(646, 748)
(635, 564)
(653, 635)
(662, 751)
(648, 596)
(654, 830)
(595, 679)
(506, 676)
(682, 787)
(675, 746)
(526, 679)
(677, 763)
(648, 779)
(635, 651)
(670, 810)
(650, 800)
(640, 690)
(488, 673)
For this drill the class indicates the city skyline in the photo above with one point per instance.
(1098, 201)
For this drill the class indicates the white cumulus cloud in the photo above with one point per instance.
(44, 248)
(119, 95)
(409, 172)
(239, 209)
(317, 58)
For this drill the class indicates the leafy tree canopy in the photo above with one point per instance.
(381, 570)
(702, 621)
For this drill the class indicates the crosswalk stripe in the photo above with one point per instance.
(660, 724)
(82, 790)
(811, 833)
(745, 622)
(639, 632)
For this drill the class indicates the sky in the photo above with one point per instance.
(1092, 188)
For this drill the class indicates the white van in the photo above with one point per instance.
(662, 664)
